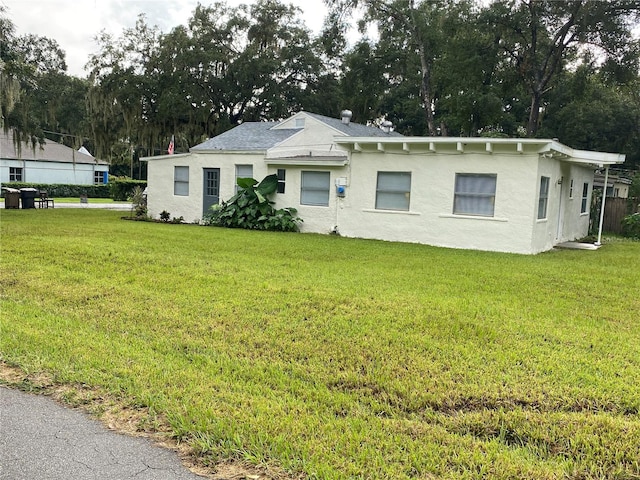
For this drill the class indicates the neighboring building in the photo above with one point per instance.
(51, 163)
(617, 184)
(509, 195)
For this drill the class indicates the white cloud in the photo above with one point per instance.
(74, 24)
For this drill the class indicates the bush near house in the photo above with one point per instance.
(631, 226)
(66, 191)
(122, 189)
(251, 208)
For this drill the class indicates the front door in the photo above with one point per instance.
(211, 188)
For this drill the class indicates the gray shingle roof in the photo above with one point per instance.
(247, 136)
(261, 135)
(353, 129)
(50, 152)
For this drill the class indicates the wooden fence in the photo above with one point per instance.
(615, 209)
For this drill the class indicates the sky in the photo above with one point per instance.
(75, 23)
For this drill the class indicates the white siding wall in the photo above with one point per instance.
(52, 172)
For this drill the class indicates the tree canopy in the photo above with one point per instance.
(433, 67)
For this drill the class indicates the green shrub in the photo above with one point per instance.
(251, 208)
(631, 226)
(65, 191)
(138, 203)
(122, 188)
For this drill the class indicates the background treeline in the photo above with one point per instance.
(558, 69)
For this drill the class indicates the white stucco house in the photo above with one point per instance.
(53, 163)
(496, 194)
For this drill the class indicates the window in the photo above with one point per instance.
(585, 198)
(98, 178)
(571, 189)
(282, 174)
(393, 190)
(543, 199)
(243, 171)
(181, 181)
(15, 174)
(314, 188)
(475, 194)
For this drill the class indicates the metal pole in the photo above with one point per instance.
(604, 196)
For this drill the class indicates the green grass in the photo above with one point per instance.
(332, 357)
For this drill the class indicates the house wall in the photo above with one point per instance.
(316, 219)
(564, 221)
(160, 181)
(430, 219)
(52, 172)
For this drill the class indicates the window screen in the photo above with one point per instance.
(475, 194)
(393, 190)
(181, 181)
(315, 188)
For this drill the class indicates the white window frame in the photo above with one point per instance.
(543, 197)
(181, 181)
(241, 170)
(584, 205)
(464, 200)
(393, 191)
(315, 188)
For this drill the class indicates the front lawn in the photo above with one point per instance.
(335, 358)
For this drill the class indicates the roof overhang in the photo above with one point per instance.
(306, 161)
(164, 157)
(460, 145)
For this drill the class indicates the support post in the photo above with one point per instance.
(604, 197)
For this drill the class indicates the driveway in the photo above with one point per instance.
(40, 439)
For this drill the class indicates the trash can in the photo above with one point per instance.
(11, 198)
(28, 197)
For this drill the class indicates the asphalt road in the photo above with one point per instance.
(41, 439)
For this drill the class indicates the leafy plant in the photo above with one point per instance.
(631, 226)
(165, 216)
(251, 208)
(138, 203)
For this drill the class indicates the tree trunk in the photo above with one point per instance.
(534, 114)
(425, 91)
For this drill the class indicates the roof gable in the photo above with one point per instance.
(262, 136)
(247, 136)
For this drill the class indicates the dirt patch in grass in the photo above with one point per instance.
(139, 422)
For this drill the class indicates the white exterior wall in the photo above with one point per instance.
(52, 172)
(160, 181)
(564, 221)
(317, 219)
(430, 219)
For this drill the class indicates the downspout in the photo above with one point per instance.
(604, 197)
